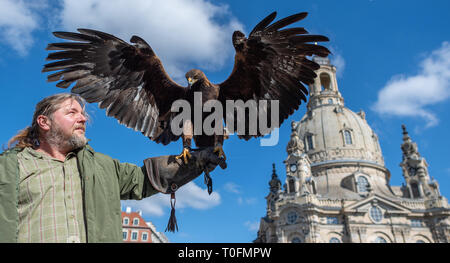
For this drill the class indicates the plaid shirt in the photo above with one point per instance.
(50, 199)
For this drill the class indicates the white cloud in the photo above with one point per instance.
(188, 196)
(232, 187)
(179, 31)
(252, 226)
(409, 96)
(18, 20)
(247, 200)
(338, 61)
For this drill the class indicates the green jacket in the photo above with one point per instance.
(105, 181)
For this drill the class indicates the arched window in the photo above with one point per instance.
(126, 220)
(334, 240)
(296, 240)
(348, 137)
(136, 221)
(362, 184)
(325, 81)
(380, 240)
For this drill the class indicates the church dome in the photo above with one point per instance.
(332, 134)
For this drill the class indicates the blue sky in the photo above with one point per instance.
(393, 62)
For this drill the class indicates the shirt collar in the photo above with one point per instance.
(30, 153)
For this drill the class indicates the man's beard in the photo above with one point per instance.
(67, 142)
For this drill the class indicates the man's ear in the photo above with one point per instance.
(43, 122)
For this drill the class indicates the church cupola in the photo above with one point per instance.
(324, 90)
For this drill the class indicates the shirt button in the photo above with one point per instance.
(73, 239)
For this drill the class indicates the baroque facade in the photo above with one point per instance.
(337, 188)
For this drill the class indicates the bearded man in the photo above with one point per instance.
(55, 188)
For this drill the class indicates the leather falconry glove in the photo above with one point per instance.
(167, 174)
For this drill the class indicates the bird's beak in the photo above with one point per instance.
(191, 81)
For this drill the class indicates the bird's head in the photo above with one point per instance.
(238, 39)
(194, 75)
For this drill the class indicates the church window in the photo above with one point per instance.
(415, 190)
(376, 214)
(296, 240)
(313, 185)
(331, 220)
(325, 81)
(309, 142)
(416, 223)
(272, 205)
(334, 240)
(330, 101)
(380, 240)
(291, 186)
(348, 137)
(292, 217)
(362, 184)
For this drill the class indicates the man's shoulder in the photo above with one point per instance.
(10, 151)
(96, 155)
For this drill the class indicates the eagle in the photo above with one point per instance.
(130, 82)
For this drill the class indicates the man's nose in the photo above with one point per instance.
(82, 118)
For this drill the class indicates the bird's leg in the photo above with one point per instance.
(185, 154)
(218, 142)
(218, 149)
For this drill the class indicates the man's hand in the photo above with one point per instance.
(167, 174)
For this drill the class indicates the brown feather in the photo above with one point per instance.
(108, 70)
(272, 64)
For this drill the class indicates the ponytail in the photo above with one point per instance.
(22, 139)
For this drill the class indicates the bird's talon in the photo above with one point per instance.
(185, 154)
(219, 150)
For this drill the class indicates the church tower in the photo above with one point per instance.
(337, 188)
(415, 171)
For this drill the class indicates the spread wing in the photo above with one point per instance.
(272, 64)
(128, 80)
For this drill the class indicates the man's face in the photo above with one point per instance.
(68, 125)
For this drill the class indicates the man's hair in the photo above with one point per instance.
(29, 137)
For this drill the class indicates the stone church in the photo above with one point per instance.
(337, 188)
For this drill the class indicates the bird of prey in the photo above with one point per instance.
(129, 80)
